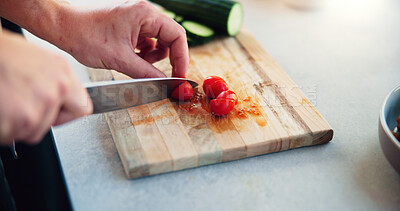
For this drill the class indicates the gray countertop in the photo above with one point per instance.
(345, 55)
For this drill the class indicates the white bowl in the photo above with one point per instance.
(387, 120)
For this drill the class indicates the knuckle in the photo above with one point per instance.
(62, 64)
(62, 83)
(63, 76)
(35, 139)
(181, 30)
(145, 9)
(142, 3)
(50, 99)
(31, 120)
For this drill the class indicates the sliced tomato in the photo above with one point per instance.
(221, 107)
(216, 88)
(183, 92)
(213, 85)
(398, 120)
(230, 95)
(211, 79)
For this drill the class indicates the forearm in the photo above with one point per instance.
(42, 18)
(106, 37)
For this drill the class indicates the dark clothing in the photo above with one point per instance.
(34, 181)
(7, 201)
(35, 178)
(10, 26)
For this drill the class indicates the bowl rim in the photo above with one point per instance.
(382, 118)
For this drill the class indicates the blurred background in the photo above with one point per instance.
(318, 30)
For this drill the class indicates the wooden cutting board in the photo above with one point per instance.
(273, 114)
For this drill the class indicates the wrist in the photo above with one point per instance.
(43, 18)
(67, 28)
(51, 24)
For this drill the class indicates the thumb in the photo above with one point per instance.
(65, 116)
(136, 67)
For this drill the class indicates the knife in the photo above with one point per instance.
(114, 95)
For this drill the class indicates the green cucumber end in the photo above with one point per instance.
(235, 19)
(169, 13)
(179, 18)
(198, 29)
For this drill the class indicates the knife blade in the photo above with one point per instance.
(113, 95)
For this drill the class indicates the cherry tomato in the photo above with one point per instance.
(213, 90)
(221, 107)
(209, 80)
(217, 87)
(183, 92)
(398, 120)
(230, 95)
(213, 85)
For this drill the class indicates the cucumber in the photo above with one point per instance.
(179, 18)
(225, 16)
(169, 14)
(197, 33)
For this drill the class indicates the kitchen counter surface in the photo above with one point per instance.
(345, 55)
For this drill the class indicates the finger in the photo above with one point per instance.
(76, 104)
(140, 68)
(28, 120)
(136, 67)
(145, 44)
(179, 57)
(41, 109)
(5, 131)
(156, 54)
(132, 64)
(12, 118)
(50, 116)
(64, 116)
(68, 114)
(171, 34)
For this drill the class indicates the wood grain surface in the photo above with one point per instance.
(273, 114)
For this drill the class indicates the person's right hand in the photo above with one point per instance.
(37, 90)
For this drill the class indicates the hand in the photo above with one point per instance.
(107, 38)
(37, 90)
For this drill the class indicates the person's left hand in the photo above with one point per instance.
(107, 38)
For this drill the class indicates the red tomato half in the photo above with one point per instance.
(183, 92)
(213, 85)
(211, 79)
(214, 89)
(221, 107)
(230, 95)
